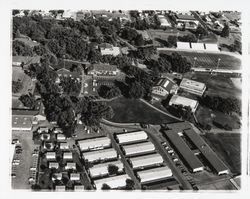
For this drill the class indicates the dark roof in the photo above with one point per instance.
(185, 17)
(192, 161)
(207, 152)
(165, 83)
(103, 67)
(105, 45)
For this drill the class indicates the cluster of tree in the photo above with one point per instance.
(113, 169)
(188, 38)
(109, 92)
(132, 36)
(225, 31)
(20, 48)
(167, 63)
(143, 52)
(129, 185)
(28, 100)
(183, 112)
(70, 86)
(235, 47)
(16, 86)
(224, 105)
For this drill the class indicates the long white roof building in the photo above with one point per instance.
(102, 169)
(131, 137)
(100, 155)
(113, 182)
(155, 174)
(94, 143)
(146, 160)
(138, 148)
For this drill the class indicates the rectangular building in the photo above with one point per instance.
(146, 160)
(102, 169)
(183, 45)
(155, 174)
(208, 153)
(192, 161)
(191, 86)
(88, 144)
(184, 101)
(131, 137)
(140, 148)
(112, 182)
(104, 154)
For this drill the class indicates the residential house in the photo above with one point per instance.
(103, 70)
(108, 49)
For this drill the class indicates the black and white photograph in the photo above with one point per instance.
(128, 100)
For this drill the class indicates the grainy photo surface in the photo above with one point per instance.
(126, 100)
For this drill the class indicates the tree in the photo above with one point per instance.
(20, 48)
(15, 12)
(28, 100)
(16, 86)
(105, 187)
(109, 92)
(225, 31)
(172, 40)
(113, 169)
(136, 90)
(188, 38)
(129, 184)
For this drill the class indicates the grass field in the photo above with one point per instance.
(227, 146)
(135, 111)
(210, 60)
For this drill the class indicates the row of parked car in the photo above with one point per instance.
(16, 157)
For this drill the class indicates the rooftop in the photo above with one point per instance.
(103, 67)
(188, 83)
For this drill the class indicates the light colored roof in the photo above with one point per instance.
(146, 160)
(131, 136)
(183, 45)
(100, 154)
(78, 187)
(70, 165)
(102, 169)
(138, 148)
(67, 155)
(51, 155)
(53, 164)
(113, 182)
(64, 145)
(103, 67)
(185, 17)
(154, 174)
(60, 188)
(22, 122)
(179, 100)
(75, 176)
(164, 21)
(212, 47)
(60, 136)
(94, 143)
(197, 46)
(191, 84)
(165, 83)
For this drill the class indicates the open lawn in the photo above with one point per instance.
(135, 111)
(227, 146)
(209, 60)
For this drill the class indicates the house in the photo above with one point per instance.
(57, 176)
(164, 21)
(136, 136)
(64, 145)
(194, 87)
(75, 176)
(60, 137)
(138, 149)
(53, 165)
(70, 165)
(67, 156)
(43, 130)
(78, 188)
(108, 49)
(186, 21)
(22, 122)
(144, 34)
(112, 182)
(51, 155)
(103, 70)
(57, 130)
(184, 101)
(163, 87)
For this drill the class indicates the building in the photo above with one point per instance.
(94, 143)
(186, 21)
(51, 155)
(146, 160)
(64, 145)
(184, 101)
(162, 88)
(213, 160)
(144, 34)
(183, 45)
(103, 70)
(112, 182)
(57, 176)
(75, 176)
(155, 174)
(60, 188)
(108, 49)
(212, 47)
(60, 137)
(78, 188)
(104, 154)
(53, 165)
(22, 122)
(102, 169)
(42, 129)
(63, 72)
(194, 87)
(67, 156)
(70, 165)
(198, 46)
(131, 137)
(136, 149)
(164, 21)
(193, 163)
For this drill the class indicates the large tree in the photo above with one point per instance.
(225, 31)
(136, 90)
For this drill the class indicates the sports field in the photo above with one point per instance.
(209, 60)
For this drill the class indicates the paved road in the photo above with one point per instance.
(168, 159)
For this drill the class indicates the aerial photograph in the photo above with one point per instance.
(126, 100)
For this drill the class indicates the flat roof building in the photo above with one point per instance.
(78, 188)
(60, 136)
(53, 165)
(93, 143)
(67, 155)
(131, 137)
(64, 145)
(75, 176)
(60, 188)
(191, 160)
(155, 174)
(51, 155)
(112, 182)
(137, 149)
(104, 154)
(146, 160)
(183, 45)
(194, 87)
(57, 176)
(102, 169)
(216, 163)
(184, 101)
(22, 123)
(164, 21)
(70, 165)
